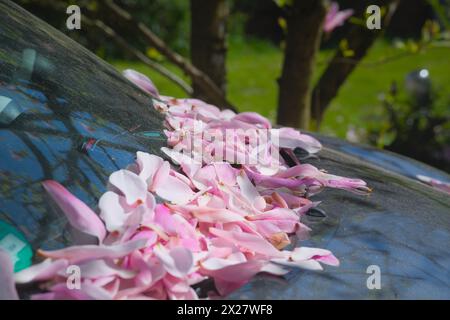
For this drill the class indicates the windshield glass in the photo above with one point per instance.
(64, 115)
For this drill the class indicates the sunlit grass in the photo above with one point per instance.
(254, 67)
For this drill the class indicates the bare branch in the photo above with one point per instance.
(197, 76)
(108, 31)
(360, 40)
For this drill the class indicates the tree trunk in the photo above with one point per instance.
(360, 39)
(208, 41)
(304, 25)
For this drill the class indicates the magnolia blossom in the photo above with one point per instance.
(336, 18)
(7, 289)
(220, 221)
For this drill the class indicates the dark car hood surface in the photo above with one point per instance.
(77, 121)
(385, 159)
(402, 227)
(71, 100)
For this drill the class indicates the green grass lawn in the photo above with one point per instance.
(254, 66)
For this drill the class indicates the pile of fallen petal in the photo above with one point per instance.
(214, 220)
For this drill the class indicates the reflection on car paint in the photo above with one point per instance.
(362, 240)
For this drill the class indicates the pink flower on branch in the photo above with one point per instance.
(336, 18)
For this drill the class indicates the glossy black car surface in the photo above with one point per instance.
(68, 116)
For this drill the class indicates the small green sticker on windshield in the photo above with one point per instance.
(15, 243)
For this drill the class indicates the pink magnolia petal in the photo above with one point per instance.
(293, 201)
(225, 173)
(62, 292)
(274, 182)
(111, 211)
(96, 292)
(253, 118)
(78, 254)
(176, 285)
(329, 259)
(274, 269)
(45, 270)
(279, 200)
(189, 295)
(148, 165)
(178, 261)
(250, 242)
(7, 287)
(234, 272)
(306, 253)
(131, 185)
(227, 114)
(137, 215)
(142, 81)
(354, 185)
(311, 264)
(44, 296)
(266, 228)
(175, 191)
(291, 139)
(150, 273)
(214, 263)
(188, 164)
(77, 212)
(249, 191)
(438, 184)
(309, 258)
(232, 277)
(104, 268)
(165, 219)
(302, 232)
(211, 215)
(275, 214)
(143, 233)
(160, 176)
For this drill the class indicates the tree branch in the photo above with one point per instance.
(215, 95)
(121, 42)
(360, 40)
(109, 32)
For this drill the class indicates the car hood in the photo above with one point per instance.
(401, 229)
(77, 120)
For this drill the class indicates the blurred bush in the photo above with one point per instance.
(415, 122)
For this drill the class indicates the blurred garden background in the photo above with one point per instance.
(312, 64)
